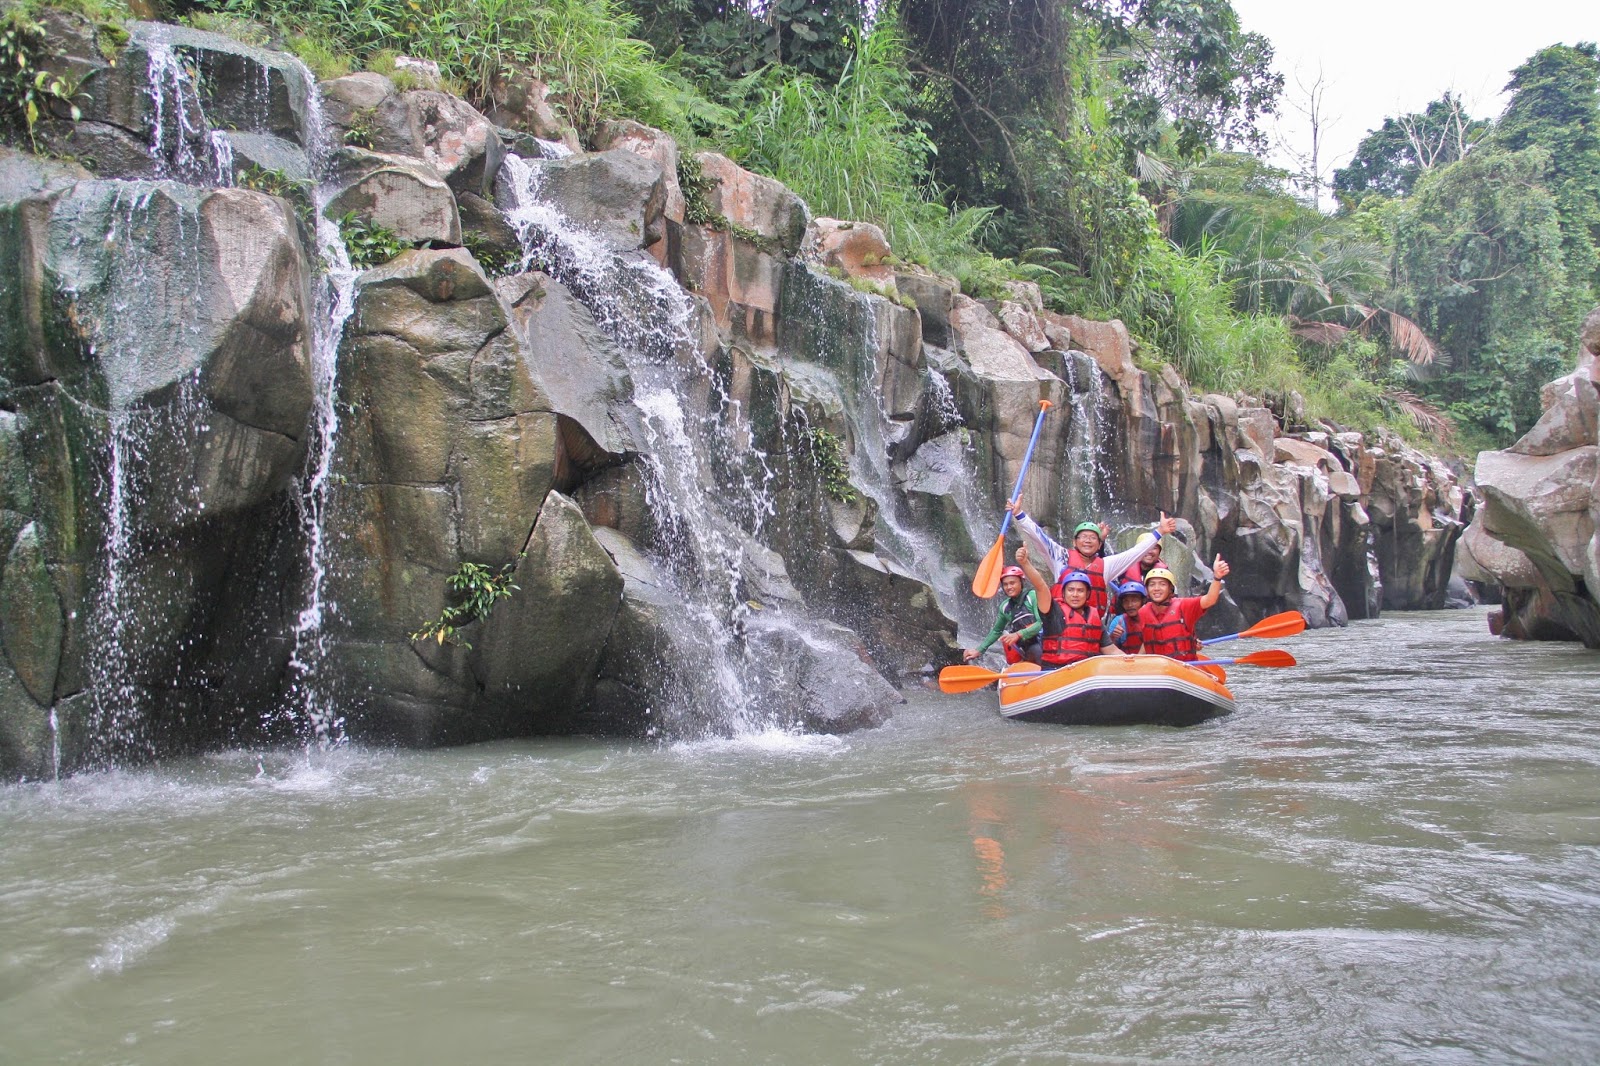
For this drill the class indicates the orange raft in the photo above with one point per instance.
(1116, 690)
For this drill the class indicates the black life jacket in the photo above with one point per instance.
(1166, 634)
(1019, 615)
(1078, 639)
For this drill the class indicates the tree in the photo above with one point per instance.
(1555, 105)
(1478, 255)
(735, 37)
(1189, 63)
(1390, 159)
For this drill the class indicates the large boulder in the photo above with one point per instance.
(198, 306)
(398, 193)
(619, 196)
(446, 133)
(751, 202)
(152, 112)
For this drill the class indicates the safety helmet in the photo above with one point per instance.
(1076, 577)
(1162, 572)
(1133, 586)
(1013, 571)
(1085, 527)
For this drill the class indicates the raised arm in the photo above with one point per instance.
(1213, 593)
(1041, 587)
(1114, 565)
(1051, 555)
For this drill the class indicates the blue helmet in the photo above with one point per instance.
(1133, 586)
(1076, 577)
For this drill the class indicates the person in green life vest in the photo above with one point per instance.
(1017, 628)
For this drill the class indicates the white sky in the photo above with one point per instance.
(1390, 57)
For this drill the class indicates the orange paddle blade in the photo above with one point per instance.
(1217, 672)
(965, 678)
(987, 581)
(1286, 624)
(1270, 657)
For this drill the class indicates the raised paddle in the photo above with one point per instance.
(1270, 657)
(1286, 624)
(987, 580)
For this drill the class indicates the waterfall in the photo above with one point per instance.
(124, 588)
(1084, 487)
(311, 708)
(182, 142)
(707, 487)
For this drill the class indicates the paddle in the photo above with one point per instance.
(1270, 657)
(987, 580)
(972, 678)
(965, 678)
(1286, 624)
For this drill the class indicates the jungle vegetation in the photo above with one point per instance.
(1108, 150)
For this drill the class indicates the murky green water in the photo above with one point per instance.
(1391, 854)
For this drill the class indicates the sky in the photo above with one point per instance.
(1389, 57)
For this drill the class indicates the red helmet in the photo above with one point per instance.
(1013, 571)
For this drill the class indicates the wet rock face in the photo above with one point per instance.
(148, 116)
(864, 421)
(1538, 534)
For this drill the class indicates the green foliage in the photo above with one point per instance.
(826, 453)
(478, 589)
(367, 243)
(1189, 317)
(1555, 105)
(362, 130)
(580, 47)
(847, 149)
(28, 90)
(1478, 253)
(495, 260)
(1390, 159)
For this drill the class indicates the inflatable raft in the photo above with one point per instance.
(1116, 690)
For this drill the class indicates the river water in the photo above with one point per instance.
(1390, 854)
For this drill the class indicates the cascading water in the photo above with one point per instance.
(117, 700)
(311, 709)
(708, 490)
(182, 143)
(875, 433)
(118, 703)
(1084, 487)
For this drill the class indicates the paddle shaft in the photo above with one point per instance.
(986, 582)
(1038, 424)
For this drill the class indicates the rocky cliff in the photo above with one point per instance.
(738, 466)
(1538, 534)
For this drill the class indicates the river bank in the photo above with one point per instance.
(1387, 854)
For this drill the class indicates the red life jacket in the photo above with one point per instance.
(1096, 569)
(1132, 639)
(1079, 637)
(1167, 633)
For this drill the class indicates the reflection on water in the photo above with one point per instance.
(1388, 855)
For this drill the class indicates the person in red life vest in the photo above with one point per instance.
(1145, 563)
(1166, 623)
(1073, 629)
(1084, 554)
(1018, 627)
(1123, 629)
